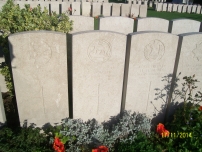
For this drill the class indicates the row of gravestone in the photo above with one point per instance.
(91, 9)
(169, 7)
(127, 25)
(94, 74)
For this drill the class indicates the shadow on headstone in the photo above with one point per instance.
(174, 104)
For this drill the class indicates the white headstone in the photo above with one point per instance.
(55, 7)
(33, 4)
(165, 5)
(198, 9)
(152, 24)
(135, 9)
(150, 4)
(39, 67)
(116, 9)
(96, 9)
(159, 7)
(76, 6)
(2, 110)
(190, 59)
(86, 8)
(125, 10)
(143, 11)
(189, 8)
(179, 9)
(180, 26)
(106, 9)
(117, 24)
(175, 7)
(152, 56)
(44, 5)
(82, 23)
(194, 8)
(170, 7)
(66, 7)
(98, 67)
(184, 8)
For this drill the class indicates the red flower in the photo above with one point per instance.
(58, 145)
(101, 149)
(161, 130)
(200, 108)
(70, 9)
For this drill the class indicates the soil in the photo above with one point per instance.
(11, 110)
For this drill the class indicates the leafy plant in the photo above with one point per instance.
(13, 20)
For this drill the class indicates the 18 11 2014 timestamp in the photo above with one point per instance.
(177, 135)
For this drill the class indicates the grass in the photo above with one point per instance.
(165, 15)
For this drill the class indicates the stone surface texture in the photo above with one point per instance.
(159, 7)
(198, 11)
(98, 68)
(184, 8)
(152, 56)
(184, 26)
(165, 5)
(117, 24)
(152, 24)
(86, 8)
(2, 111)
(143, 11)
(125, 10)
(179, 9)
(135, 10)
(175, 7)
(106, 9)
(55, 6)
(39, 67)
(96, 9)
(190, 60)
(82, 23)
(116, 9)
(76, 8)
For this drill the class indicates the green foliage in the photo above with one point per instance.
(23, 139)
(13, 20)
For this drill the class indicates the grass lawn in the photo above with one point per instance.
(166, 15)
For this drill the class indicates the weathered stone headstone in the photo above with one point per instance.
(159, 7)
(96, 9)
(189, 8)
(86, 8)
(152, 56)
(179, 9)
(21, 3)
(180, 26)
(152, 24)
(198, 11)
(39, 67)
(55, 6)
(2, 3)
(139, 2)
(135, 9)
(76, 8)
(170, 7)
(44, 4)
(33, 4)
(184, 8)
(116, 9)
(2, 78)
(98, 59)
(106, 11)
(165, 5)
(117, 24)
(150, 4)
(2, 111)
(82, 23)
(125, 9)
(190, 59)
(143, 11)
(66, 7)
(194, 8)
(175, 7)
